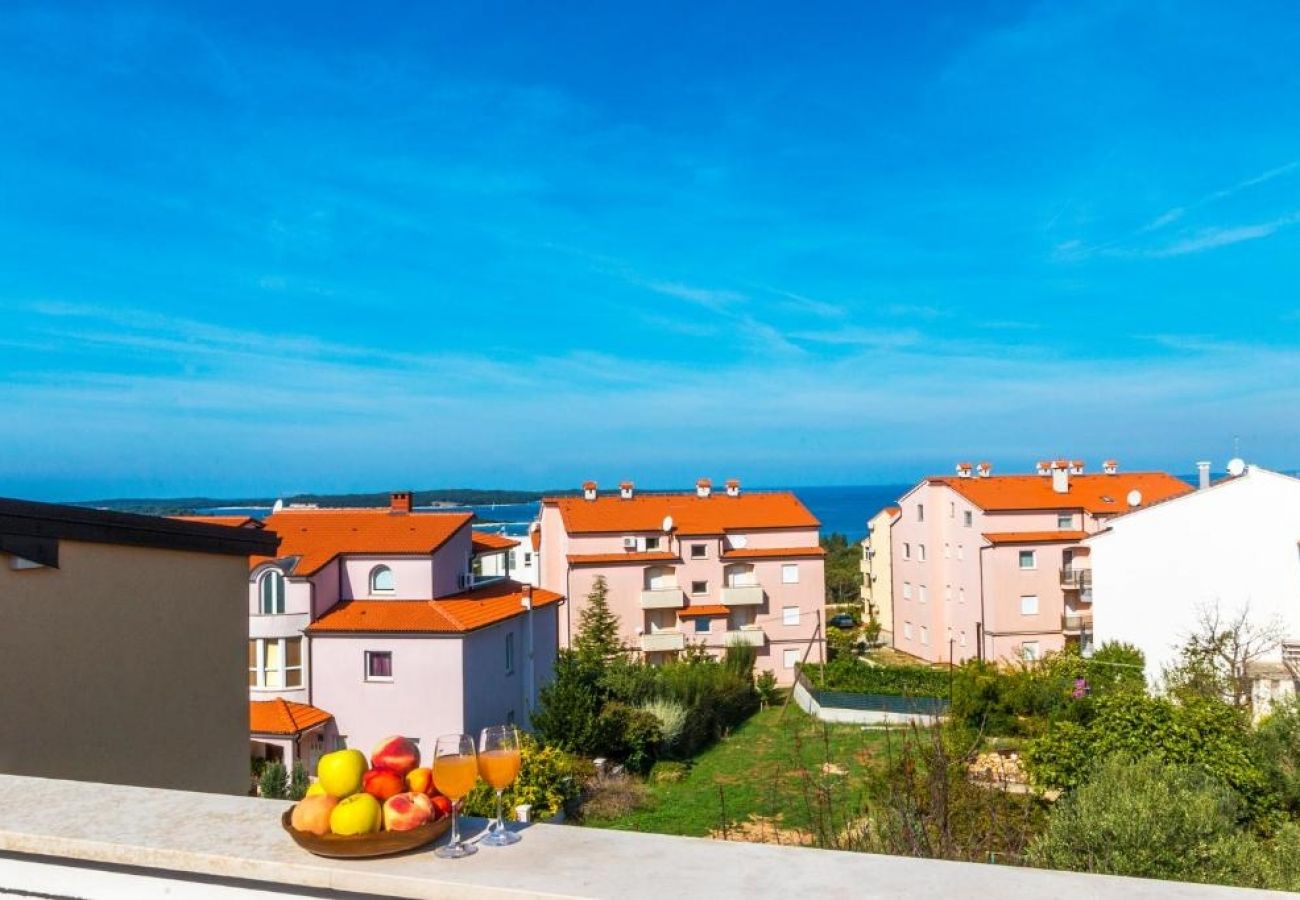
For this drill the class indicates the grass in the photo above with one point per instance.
(757, 775)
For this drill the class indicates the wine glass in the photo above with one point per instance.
(498, 764)
(455, 770)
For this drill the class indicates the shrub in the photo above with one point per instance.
(274, 781)
(547, 781)
(298, 782)
(1153, 819)
(672, 722)
(765, 684)
(569, 706)
(1278, 740)
(850, 675)
(668, 772)
(840, 645)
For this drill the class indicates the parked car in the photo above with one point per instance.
(842, 621)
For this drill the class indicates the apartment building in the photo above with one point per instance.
(705, 567)
(877, 572)
(997, 566)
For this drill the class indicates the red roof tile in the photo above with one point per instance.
(1035, 537)
(457, 614)
(283, 717)
(488, 542)
(1093, 493)
(316, 536)
(691, 514)
(590, 559)
(704, 609)
(773, 552)
(228, 521)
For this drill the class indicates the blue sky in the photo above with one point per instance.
(360, 246)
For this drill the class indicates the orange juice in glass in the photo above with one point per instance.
(498, 763)
(499, 768)
(454, 775)
(455, 769)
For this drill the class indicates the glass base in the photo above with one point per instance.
(456, 851)
(499, 837)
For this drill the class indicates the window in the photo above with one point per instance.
(699, 551)
(699, 587)
(961, 595)
(790, 658)
(961, 552)
(1028, 559)
(703, 624)
(381, 580)
(789, 615)
(271, 590)
(923, 593)
(949, 633)
(528, 559)
(961, 639)
(920, 552)
(1029, 605)
(514, 559)
(947, 550)
(947, 593)
(920, 512)
(1064, 520)
(1029, 651)
(966, 517)
(275, 663)
(510, 653)
(379, 665)
(907, 630)
(790, 573)
(925, 636)
(907, 590)
(952, 510)
(652, 543)
(907, 550)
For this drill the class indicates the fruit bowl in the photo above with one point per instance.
(359, 846)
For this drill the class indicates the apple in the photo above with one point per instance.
(358, 814)
(313, 813)
(396, 753)
(382, 783)
(316, 789)
(402, 812)
(340, 772)
(420, 780)
(441, 806)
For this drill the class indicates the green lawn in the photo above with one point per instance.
(764, 776)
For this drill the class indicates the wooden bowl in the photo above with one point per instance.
(360, 846)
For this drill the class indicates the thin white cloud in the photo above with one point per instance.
(1213, 238)
(710, 298)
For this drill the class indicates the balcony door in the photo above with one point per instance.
(741, 575)
(660, 578)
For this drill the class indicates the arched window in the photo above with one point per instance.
(381, 580)
(271, 589)
(741, 575)
(660, 578)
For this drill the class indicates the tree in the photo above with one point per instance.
(597, 640)
(843, 572)
(274, 781)
(1216, 657)
(1278, 737)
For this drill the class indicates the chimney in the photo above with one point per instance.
(625, 490)
(589, 490)
(1076, 467)
(733, 487)
(399, 502)
(984, 469)
(1044, 467)
(703, 487)
(1203, 474)
(1061, 476)
(526, 600)
(963, 470)
(1110, 466)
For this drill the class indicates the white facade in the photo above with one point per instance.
(1233, 545)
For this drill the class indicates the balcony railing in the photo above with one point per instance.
(1076, 621)
(750, 636)
(1076, 579)
(663, 598)
(743, 595)
(658, 641)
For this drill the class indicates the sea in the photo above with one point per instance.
(841, 509)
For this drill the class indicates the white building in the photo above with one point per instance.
(1232, 544)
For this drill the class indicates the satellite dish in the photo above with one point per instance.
(739, 541)
(1134, 498)
(279, 505)
(668, 523)
(1236, 467)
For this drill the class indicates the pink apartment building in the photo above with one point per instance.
(700, 568)
(995, 566)
(372, 622)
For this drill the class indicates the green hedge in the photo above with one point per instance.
(853, 677)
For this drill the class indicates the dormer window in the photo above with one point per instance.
(270, 588)
(381, 580)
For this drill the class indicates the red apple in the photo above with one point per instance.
(382, 783)
(420, 780)
(396, 753)
(441, 806)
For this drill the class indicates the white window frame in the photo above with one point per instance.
(1029, 651)
(925, 636)
(962, 637)
(378, 679)
(907, 630)
(961, 595)
(907, 550)
(947, 593)
(789, 615)
(907, 590)
(961, 551)
(704, 589)
(262, 580)
(652, 544)
(920, 512)
(1033, 560)
(920, 552)
(922, 594)
(1064, 521)
(967, 518)
(1029, 604)
(947, 550)
(789, 573)
(376, 573)
(790, 657)
(699, 551)
(259, 670)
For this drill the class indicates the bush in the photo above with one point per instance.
(298, 782)
(672, 723)
(1152, 819)
(547, 781)
(273, 783)
(766, 687)
(569, 706)
(840, 645)
(1278, 740)
(669, 772)
(850, 675)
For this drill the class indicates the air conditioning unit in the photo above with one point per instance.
(629, 543)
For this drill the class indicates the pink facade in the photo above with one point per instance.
(745, 578)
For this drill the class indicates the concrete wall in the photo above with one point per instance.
(126, 665)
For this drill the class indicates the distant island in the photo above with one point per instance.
(179, 506)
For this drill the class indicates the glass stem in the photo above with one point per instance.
(500, 823)
(455, 823)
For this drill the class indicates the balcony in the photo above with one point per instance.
(1076, 621)
(663, 598)
(660, 641)
(1073, 579)
(749, 636)
(743, 595)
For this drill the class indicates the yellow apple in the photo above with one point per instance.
(340, 772)
(358, 814)
(316, 790)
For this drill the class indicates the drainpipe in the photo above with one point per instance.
(530, 675)
(979, 626)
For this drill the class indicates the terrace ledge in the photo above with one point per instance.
(112, 840)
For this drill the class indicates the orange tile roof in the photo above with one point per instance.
(589, 559)
(228, 521)
(1093, 493)
(704, 609)
(772, 552)
(283, 717)
(316, 536)
(691, 514)
(1035, 537)
(488, 542)
(457, 614)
